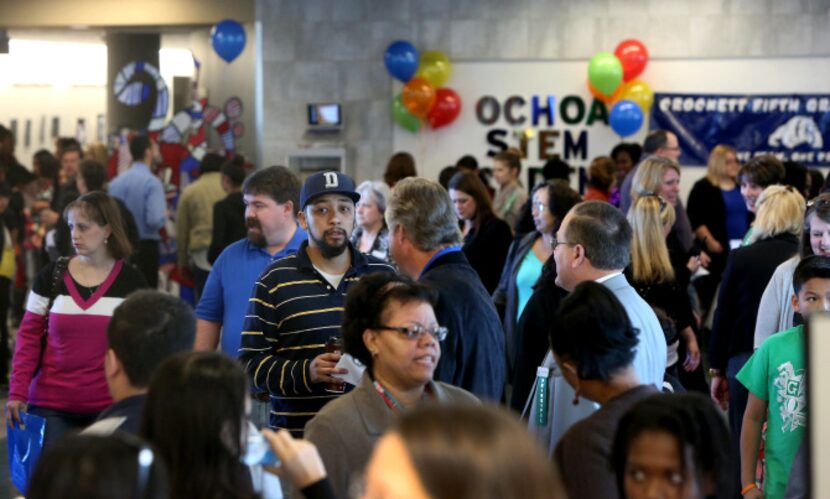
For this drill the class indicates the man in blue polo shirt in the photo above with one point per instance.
(271, 198)
(297, 305)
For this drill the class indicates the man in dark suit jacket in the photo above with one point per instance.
(424, 241)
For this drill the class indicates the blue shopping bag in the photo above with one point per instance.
(25, 444)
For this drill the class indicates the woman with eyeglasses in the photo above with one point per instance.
(389, 326)
(775, 232)
(775, 313)
(100, 467)
(487, 238)
(528, 260)
(652, 275)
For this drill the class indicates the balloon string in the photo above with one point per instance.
(422, 146)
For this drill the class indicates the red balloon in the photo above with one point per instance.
(446, 109)
(634, 56)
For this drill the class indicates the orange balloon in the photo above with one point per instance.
(608, 99)
(418, 96)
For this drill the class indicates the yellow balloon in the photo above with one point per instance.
(638, 91)
(435, 67)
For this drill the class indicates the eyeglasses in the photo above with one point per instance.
(538, 206)
(415, 331)
(554, 242)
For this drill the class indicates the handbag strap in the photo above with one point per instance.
(61, 265)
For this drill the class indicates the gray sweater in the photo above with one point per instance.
(346, 430)
(775, 312)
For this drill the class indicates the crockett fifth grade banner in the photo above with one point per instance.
(793, 127)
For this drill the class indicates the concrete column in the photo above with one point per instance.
(122, 49)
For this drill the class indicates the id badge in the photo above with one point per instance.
(542, 402)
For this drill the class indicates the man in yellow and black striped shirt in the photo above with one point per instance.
(297, 305)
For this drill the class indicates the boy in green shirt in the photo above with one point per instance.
(775, 378)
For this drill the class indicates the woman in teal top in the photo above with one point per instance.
(528, 254)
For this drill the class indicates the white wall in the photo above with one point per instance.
(434, 149)
(68, 81)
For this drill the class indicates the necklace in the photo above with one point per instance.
(90, 289)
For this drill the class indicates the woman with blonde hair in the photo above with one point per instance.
(661, 177)
(652, 275)
(775, 238)
(718, 213)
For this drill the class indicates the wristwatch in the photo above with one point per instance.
(715, 373)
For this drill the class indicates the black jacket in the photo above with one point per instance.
(706, 207)
(472, 356)
(747, 273)
(506, 296)
(228, 224)
(532, 338)
(486, 250)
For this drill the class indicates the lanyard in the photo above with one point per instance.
(390, 401)
(450, 249)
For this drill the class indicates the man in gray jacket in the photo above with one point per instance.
(593, 243)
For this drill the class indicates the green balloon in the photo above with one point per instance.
(402, 115)
(605, 72)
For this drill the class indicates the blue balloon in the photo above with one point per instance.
(401, 59)
(228, 39)
(626, 118)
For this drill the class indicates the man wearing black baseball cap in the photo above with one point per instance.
(297, 305)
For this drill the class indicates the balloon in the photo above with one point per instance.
(604, 98)
(435, 68)
(626, 118)
(401, 60)
(418, 96)
(228, 39)
(605, 72)
(403, 117)
(639, 92)
(446, 108)
(633, 56)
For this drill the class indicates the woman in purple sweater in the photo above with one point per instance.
(58, 364)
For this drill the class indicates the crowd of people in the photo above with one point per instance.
(411, 338)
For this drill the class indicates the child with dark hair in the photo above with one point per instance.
(673, 445)
(775, 378)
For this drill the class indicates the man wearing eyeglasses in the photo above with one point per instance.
(424, 241)
(296, 306)
(593, 244)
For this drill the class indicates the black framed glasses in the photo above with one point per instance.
(414, 331)
(555, 241)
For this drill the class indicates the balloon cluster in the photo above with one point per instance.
(612, 78)
(423, 98)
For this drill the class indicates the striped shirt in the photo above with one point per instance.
(292, 312)
(68, 374)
